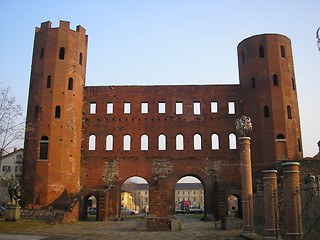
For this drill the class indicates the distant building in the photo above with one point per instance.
(10, 164)
(139, 196)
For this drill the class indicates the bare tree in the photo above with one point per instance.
(11, 124)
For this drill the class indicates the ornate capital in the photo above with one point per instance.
(243, 125)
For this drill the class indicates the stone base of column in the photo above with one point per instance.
(12, 213)
(158, 224)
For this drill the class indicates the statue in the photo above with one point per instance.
(13, 189)
(243, 125)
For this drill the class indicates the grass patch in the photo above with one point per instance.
(124, 217)
(20, 225)
(195, 216)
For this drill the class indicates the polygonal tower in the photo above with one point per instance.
(51, 170)
(270, 98)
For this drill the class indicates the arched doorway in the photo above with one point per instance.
(134, 197)
(233, 207)
(91, 208)
(189, 196)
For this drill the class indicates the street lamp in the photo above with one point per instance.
(318, 39)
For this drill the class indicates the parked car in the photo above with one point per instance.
(2, 211)
(128, 211)
(92, 210)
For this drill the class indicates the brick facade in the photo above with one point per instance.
(61, 163)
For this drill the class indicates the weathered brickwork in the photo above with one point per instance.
(159, 133)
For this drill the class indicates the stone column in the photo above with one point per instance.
(271, 210)
(292, 211)
(246, 185)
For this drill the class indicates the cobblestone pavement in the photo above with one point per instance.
(123, 230)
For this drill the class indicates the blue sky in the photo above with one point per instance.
(168, 42)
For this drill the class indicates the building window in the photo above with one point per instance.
(179, 108)
(283, 52)
(61, 53)
(144, 142)
(162, 107)
(231, 108)
(80, 58)
(253, 82)
(197, 142)
(261, 51)
(36, 114)
(232, 141)
(44, 146)
(41, 53)
(275, 80)
(93, 108)
(242, 57)
(215, 141)
(109, 108)
(109, 142)
(196, 108)
(49, 81)
(92, 142)
(280, 136)
(6, 168)
(70, 84)
(299, 145)
(289, 112)
(127, 142)
(162, 142)
(126, 107)
(179, 142)
(144, 108)
(57, 112)
(293, 84)
(214, 107)
(266, 111)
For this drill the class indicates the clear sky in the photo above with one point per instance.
(168, 42)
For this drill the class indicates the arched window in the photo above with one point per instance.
(127, 142)
(41, 53)
(109, 142)
(232, 141)
(261, 51)
(266, 111)
(80, 58)
(49, 81)
(253, 82)
(70, 84)
(197, 142)
(179, 142)
(289, 112)
(275, 80)
(162, 142)
(144, 142)
(92, 142)
(280, 136)
(57, 112)
(215, 141)
(283, 52)
(61, 53)
(293, 84)
(44, 146)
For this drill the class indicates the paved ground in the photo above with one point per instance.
(123, 230)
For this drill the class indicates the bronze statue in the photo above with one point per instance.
(13, 189)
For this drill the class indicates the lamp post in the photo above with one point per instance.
(318, 39)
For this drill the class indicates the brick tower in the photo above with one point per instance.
(51, 171)
(270, 98)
